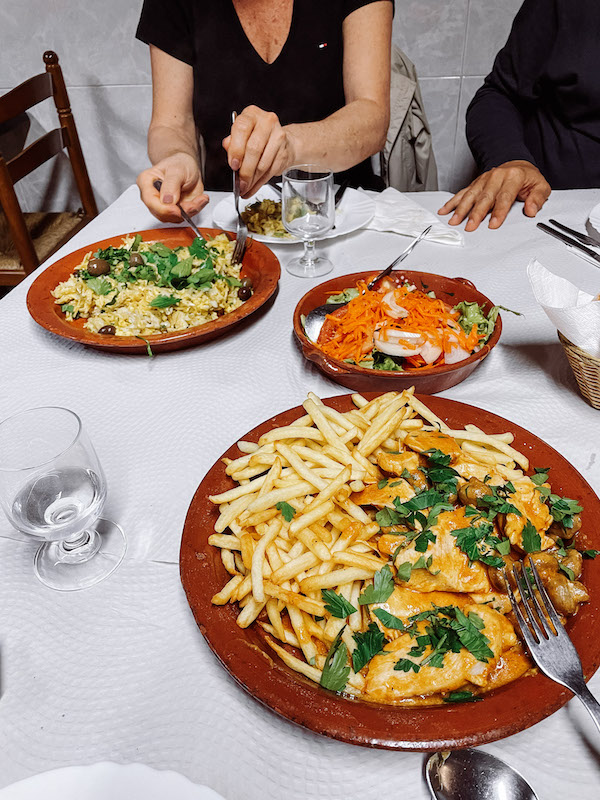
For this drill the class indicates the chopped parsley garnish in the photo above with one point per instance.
(368, 644)
(164, 301)
(462, 697)
(532, 541)
(336, 604)
(563, 509)
(590, 553)
(405, 665)
(383, 586)
(287, 511)
(404, 570)
(568, 571)
(389, 620)
(67, 307)
(336, 670)
(478, 543)
(382, 484)
(100, 285)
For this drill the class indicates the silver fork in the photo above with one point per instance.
(549, 645)
(241, 236)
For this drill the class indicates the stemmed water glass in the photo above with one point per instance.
(52, 487)
(308, 212)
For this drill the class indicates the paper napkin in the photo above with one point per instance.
(575, 314)
(397, 213)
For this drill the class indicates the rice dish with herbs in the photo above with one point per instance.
(147, 288)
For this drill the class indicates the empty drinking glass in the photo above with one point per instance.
(52, 487)
(308, 213)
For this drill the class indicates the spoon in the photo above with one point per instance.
(313, 322)
(474, 775)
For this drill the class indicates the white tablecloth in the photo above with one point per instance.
(121, 672)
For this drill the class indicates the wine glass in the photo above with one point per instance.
(308, 212)
(52, 487)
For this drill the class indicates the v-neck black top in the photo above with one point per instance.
(541, 102)
(303, 84)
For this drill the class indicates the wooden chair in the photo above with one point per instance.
(27, 239)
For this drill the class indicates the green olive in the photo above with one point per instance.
(98, 266)
(472, 491)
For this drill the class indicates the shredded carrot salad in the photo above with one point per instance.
(348, 333)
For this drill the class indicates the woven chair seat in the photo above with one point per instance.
(48, 231)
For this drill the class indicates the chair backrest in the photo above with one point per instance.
(14, 103)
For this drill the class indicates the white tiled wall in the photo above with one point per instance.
(107, 71)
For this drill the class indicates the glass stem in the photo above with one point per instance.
(308, 257)
(81, 548)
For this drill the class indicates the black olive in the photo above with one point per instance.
(108, 330)
(98, 266)
(244, 293)
(247, 282)
(135, 260)
(76, 273)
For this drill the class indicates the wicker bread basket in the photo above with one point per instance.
(586, 369)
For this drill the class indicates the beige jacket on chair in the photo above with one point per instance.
(407, 160)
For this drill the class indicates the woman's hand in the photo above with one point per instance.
(259, 147)
(495, 191)
(181, 183)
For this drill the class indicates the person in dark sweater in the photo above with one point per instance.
(534, 125)
(310, 82)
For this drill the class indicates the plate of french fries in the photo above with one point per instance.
(341, 563)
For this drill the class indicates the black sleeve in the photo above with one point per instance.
(348, 6)
(169, 25)
(495, 130)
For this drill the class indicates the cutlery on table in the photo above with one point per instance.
(546, 639)
(186, 217)
(569, 241)
(314, 319)
(241, 236)
(582, 237)
(474, 775)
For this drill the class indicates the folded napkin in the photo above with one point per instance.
(576, 314)
(395, 212)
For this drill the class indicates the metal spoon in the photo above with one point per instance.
(474, 775)
(313, 322)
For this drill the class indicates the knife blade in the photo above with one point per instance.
(569, 242)
(582, 237)
(340, 193)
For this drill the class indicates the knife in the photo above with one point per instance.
(582, 237)
(569, 242)
(340, 193)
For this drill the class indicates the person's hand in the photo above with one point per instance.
(259, 147)
(495, 191)
(181, 183)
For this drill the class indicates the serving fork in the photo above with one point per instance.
(241, 235)
(546, 639)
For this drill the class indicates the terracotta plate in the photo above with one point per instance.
(428, 380)
(254, 665)
(259, 264)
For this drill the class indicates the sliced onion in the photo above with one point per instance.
(392, 308)
(430, 352)
(398, 343)
(455, 355)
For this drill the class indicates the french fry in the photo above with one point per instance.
(228, 561)
(225, 541)
(336, 578)
(251, 611)
(247, 447)
(224, 596)
(295, 663)
(295, 599)
(258, 560)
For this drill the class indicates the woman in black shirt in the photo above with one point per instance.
(309, 79)
(535, 123)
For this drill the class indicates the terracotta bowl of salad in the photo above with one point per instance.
(412, 329)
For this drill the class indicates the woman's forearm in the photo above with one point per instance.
(345, 138)
(167, 140)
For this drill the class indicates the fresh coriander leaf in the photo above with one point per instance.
(568, 571)
(385, 518)
(335, 603)
(470, 636)
(100, 285)
(336, 670)
(67, 307)
(389, 620)
(422, 543)
(164, 301)
(383, 586)
(437, 457)
(232, 281)
(532, 541)
(395, 483)
(136, 242)
(541, 475)
(403, 571)
(161, 249)
(183, 268)
(287, 511)
(563, 508)
(590, 553)
(382, 484)
(503, 547)
(368, 644)
(462, 697)
(198, 248)
(405, 474)
(405, 665)
(420, 563)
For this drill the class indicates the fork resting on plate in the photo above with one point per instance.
(546, 639)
